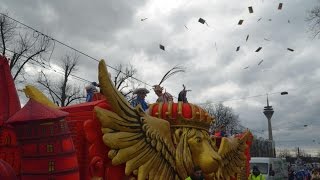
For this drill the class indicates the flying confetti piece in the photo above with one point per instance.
(215, 44)
(280, 6)
(246, 67)
(270, 19)
(240, 22)
(144, 19)
(186, 27)
(259, 19)
(162, 47)
(250, 9)
(202, 21)
(289, 49)
(284, 93)
(260, 62)
(258, 49)
(305, 125)
(266, 39)
(238, 48)
(247, 37)
(288, 21)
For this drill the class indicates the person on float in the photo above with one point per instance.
(91, 89)
(196, 174)
(256, 174)
(140, 98)
(166, 97)
(221, 131)
(162, 97)
(182, 97)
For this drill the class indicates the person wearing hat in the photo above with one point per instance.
(256, 175)
(140, 99)
(91, 89)
(162, 97)
(166, 97)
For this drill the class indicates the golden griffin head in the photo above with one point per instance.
(189, 126)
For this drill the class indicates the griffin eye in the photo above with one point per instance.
(198, 139)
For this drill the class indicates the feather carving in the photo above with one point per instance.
(135, 138)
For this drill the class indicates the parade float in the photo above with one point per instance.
(107, 139)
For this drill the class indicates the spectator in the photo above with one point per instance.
(256, 175)
(196, 175)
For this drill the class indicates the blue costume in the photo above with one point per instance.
(140, 101)
(91, 89)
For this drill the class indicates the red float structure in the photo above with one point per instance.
(47, 147)
(6, 171)
(9, 105)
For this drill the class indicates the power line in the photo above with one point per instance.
(92, 58)
(64, 44)
(49, 68)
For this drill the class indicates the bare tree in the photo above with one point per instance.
(22, 46)
(122, 79)
(62, 92)
(313, 19)
(284, 153)
(224, 116)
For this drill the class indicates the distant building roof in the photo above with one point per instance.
(34, 111)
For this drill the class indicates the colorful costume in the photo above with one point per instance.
(166, 97)
(141, 93)
(162, 97)
(91, 89)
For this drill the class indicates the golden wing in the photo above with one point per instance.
(232, 154)
(143, 142)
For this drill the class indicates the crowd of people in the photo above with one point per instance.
(304, 174)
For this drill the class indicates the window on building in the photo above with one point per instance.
(50, 148)
(62, 126)
(51, 166)
(51, 130)
(29, 131)
(43, 131)
(7, 140)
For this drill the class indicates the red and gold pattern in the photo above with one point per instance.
(182, 115)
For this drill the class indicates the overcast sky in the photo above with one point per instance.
(215, 71)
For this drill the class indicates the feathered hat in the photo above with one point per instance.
(171, 72)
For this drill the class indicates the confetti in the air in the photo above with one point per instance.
(258, 49)
(240, 22)
(250, 9)
(162, 47)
